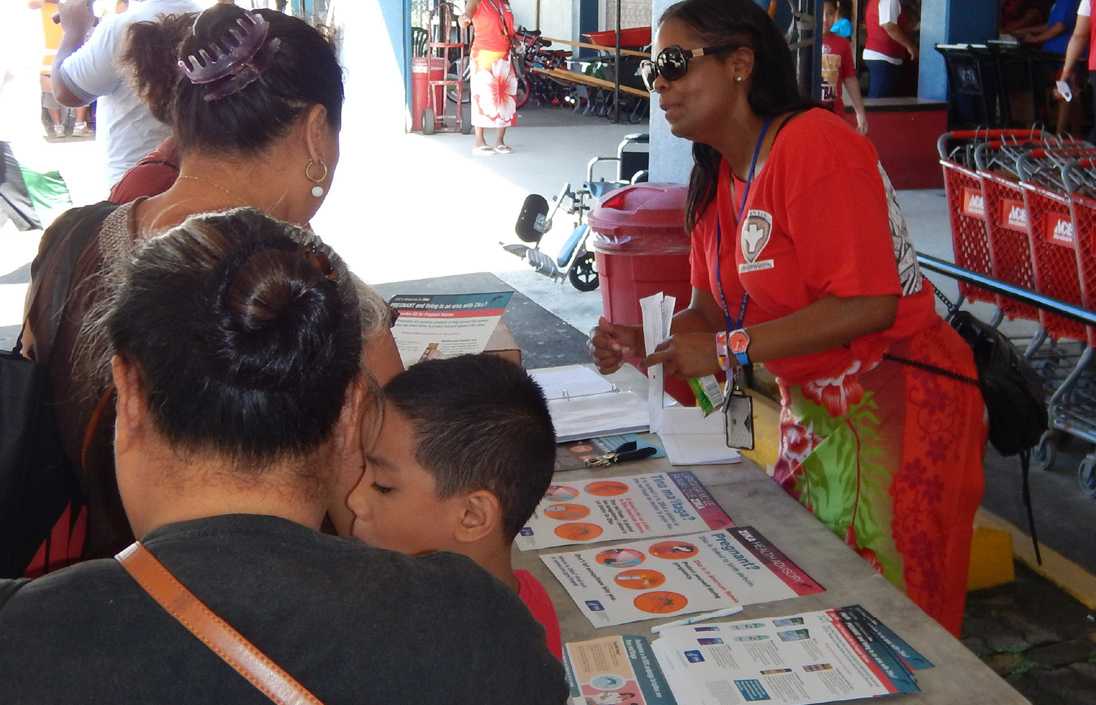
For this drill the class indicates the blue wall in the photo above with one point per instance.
(950, 22)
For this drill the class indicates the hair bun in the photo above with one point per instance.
(279, 303)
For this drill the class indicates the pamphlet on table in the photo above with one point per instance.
(633, 507)
(691, 438)
(802, 659)
(615, 670)
(674, 577)
(446, 325)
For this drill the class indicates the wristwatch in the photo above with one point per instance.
(738, 343)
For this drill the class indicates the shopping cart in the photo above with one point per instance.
(967, 203)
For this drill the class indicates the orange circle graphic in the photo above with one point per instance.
(606, 488)
(639, 579)
(579, 531)
(566, 512)
(660, 602)
(673, 550)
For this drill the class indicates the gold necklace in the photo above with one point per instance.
(231, 195)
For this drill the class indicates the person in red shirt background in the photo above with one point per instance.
(494, 84)
(887, 26)
(839, 69)
(878, 437)
(1084, 35)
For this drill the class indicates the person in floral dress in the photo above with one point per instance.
(801, 259)
(494, 83)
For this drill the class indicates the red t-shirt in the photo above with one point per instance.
(488, 19)
(837, 65)
(821, 220)
(535, 597)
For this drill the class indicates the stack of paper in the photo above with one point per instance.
(583, 405)
(690, 438)
(658, 314)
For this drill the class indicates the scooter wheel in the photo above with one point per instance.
(428, 122)
(583, 274)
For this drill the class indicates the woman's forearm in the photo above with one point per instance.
(823, 325)
(1077, 44)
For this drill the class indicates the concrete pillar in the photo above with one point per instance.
(950, 22)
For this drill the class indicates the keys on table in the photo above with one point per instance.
(623, 453)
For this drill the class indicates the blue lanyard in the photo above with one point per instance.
(736, 324)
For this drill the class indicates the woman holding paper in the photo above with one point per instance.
(882, 428)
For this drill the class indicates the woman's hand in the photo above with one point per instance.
(862, 122)
(610, 343)
(686, 355)
(464, 20)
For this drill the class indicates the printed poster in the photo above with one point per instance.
(812, 657)
(674, 577)
(615, 670)
(446, 325)
(639, 506)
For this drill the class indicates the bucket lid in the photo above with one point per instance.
(642, 209)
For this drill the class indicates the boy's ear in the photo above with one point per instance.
(480, 516)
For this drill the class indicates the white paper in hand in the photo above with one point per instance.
(656, 328)
(1064, 90)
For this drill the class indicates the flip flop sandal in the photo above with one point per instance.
(504, 149)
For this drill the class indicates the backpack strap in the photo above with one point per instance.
(211, 630)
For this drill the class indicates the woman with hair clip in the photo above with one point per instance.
(257, 128)
(882, 428)
(494, 83)
(234, 343)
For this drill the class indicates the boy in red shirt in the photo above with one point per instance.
(839, 69)
(465, 452)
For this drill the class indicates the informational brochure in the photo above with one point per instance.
(812, 657)
(674, 577)
(593, 415)
(615, 670)
(573, 455)
(634, 507)
(445, 325)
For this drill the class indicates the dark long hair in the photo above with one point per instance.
(303, 72)
(247, 334)
(773, 86)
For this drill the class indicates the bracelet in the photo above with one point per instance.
(722, 352)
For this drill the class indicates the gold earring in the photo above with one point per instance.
(317, 190)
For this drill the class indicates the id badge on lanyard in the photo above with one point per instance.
(738, 422)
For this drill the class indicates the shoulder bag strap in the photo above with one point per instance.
(211, 630)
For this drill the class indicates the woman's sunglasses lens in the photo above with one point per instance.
(672, 63)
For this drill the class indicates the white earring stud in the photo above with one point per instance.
(317, 190)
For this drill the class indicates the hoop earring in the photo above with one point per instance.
(317, 190)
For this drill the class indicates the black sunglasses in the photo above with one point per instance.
(673, 62)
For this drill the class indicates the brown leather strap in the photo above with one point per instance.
(213, 631)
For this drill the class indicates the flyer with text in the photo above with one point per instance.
(674, 577)
(615, 670)
(638, 506)
(802, 659)
(445, 325)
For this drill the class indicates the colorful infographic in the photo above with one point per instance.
(678, 576)
(639, 506)
(615, 670)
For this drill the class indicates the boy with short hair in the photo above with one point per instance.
(465, 452)
(839, 69)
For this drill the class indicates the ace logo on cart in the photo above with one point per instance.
(1060, 231)
(756, 233)
(1013, 215)
(974, 204)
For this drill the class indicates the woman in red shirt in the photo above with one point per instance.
(801, 260)
(494, 83)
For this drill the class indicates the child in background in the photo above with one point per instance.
(839, 69)
(465, 452)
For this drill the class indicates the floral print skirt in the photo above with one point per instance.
(889, 457)
(494, 88)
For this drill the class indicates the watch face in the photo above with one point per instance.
(738, 341)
